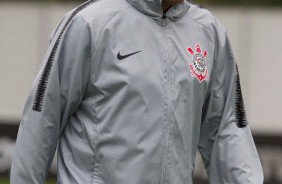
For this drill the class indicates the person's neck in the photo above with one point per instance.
(166, 6)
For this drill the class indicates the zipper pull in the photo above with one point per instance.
(164, 19)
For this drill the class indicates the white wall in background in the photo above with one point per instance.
(24, 36)
(255, 34)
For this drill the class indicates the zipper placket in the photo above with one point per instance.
(165, 162)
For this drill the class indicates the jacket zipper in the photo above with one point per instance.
(165, 162)
(164, 20)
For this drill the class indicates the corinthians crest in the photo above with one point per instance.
(198, 65)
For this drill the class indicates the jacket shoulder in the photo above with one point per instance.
(103, 9)
(97, 10)
(205, 18)
(94, 14)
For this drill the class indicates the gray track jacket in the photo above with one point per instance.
(128, 94)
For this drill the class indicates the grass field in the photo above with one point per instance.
(7, 181)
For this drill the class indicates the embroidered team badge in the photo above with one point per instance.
(198, 65)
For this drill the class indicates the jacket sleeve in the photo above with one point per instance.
(56, 94)
(226, 143)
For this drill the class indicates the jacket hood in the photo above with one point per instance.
(153, 8)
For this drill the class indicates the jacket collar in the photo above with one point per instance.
(153, 8)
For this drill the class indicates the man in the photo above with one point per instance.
(128, 91)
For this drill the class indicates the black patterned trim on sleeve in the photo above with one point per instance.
(240, 112)
(43, 81)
